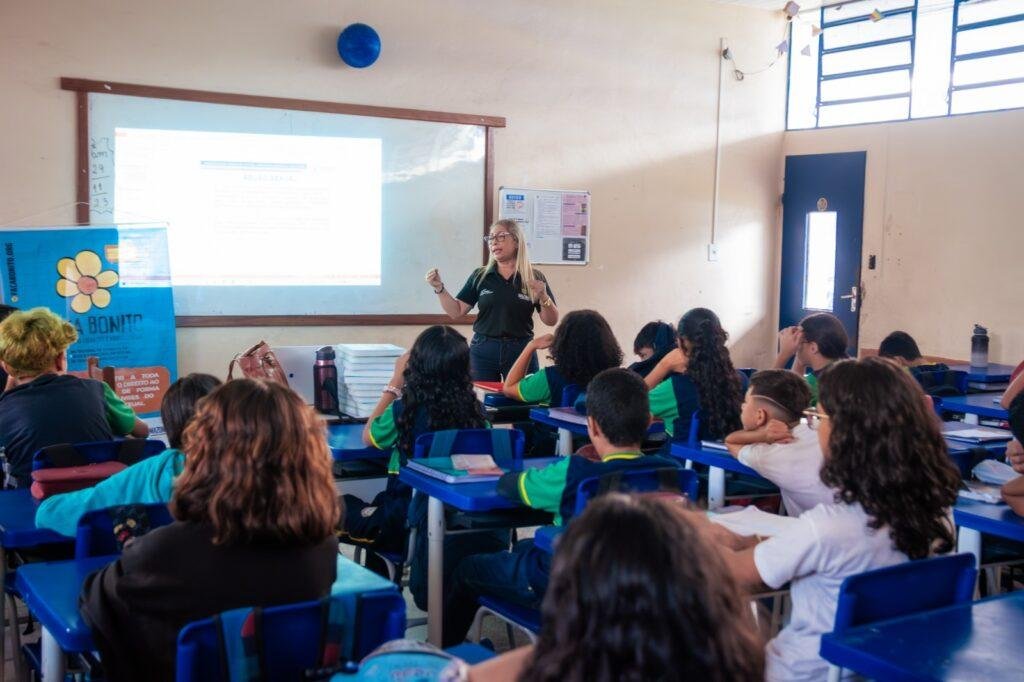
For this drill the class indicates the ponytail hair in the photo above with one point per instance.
(711, 369)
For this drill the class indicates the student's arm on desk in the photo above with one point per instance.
(1012, 391)
(538, 488)
(736, 550)
(1013, 495)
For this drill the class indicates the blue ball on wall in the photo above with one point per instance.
(358, 45)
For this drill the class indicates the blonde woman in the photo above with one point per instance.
(506, 291)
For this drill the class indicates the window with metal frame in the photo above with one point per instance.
(866, 62)
(987, 60)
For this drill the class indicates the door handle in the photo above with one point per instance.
(853, 297)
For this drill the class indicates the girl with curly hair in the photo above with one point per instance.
(895, 483)
(430, 390)
(637, 592)
(255, 510)
(698, 375)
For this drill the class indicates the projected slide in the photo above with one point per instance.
(255, 210)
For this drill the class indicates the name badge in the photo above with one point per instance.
(524, 297)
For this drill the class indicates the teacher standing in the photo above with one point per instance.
(507, 291)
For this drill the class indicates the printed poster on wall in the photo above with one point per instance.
(113, 283)
(556, 223)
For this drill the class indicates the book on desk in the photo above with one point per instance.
(978, 434)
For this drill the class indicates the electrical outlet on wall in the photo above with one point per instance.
(712, 252)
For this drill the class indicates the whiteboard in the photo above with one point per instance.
(432, 202)
(556, 222)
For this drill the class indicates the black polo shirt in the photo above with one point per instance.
(502, 307)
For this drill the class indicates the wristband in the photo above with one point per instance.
(548, 303)
(393, 390)
(439, 291)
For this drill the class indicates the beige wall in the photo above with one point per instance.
(943, 213)
(617, 97)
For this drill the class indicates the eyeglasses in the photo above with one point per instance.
(814, 419)
(500, 238)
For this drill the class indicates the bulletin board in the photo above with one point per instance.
(556, 222)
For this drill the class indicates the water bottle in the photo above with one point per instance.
(979, 347)
(325, 381)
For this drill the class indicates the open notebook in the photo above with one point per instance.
(458, 468)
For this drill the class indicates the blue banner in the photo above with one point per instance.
(114, 284)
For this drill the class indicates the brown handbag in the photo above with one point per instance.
(259, 362)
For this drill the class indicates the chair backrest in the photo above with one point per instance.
(655, 479)
(128, 451)
(294, 637)
(503, 444)
(943, 382)
(693, 437)
(747, 371)
(95, 535)
(569, 395)
(905, 589)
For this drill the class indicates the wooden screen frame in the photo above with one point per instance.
(82, 87)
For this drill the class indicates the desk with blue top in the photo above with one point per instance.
(974, 406)
(975, 641)
(718, 462)
(51, 590)
(468, 497)
(993, 375)
(566, 429)
(346, 444)
(973, 518)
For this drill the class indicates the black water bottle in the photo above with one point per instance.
(979, 347)
(325, 381)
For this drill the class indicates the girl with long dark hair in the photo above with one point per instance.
(698, 375)
(430, 390)
(582, 347)
(895, 483)
(637, 592)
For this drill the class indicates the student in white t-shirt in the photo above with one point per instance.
(895, 484)
(775, 444)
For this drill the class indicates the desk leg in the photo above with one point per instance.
(435, 570)
(52, 658)
(971, 419)
(564, 442)
(969, 540)
(716, 487)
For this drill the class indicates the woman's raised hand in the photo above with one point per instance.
(434, 279)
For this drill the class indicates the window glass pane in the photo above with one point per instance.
(982, 10)
(931, 58)
(803, 78)
(989, 69)
(820, 261)
(990, 38)
(864, 112)
(867, 58)
(868, 31)
(862, 9)
(891, 83)
(989, 99)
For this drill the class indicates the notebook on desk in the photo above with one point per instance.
(458, 468)
(568, 414)
(978, 434)
(713, 445)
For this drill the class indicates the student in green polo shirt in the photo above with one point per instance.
(430, 390)
(618, 417)
(582, 346)
(814, 344)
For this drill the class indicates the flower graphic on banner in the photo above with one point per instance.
(84, 281)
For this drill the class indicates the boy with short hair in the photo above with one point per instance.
(775, 443)
(901, 347)
(618, 415)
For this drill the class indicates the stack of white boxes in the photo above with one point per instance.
(363, 372)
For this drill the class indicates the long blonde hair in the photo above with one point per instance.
(523, 266)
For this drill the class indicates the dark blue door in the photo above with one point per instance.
(822, 231)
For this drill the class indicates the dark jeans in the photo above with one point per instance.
(501, 575)
(491, 357)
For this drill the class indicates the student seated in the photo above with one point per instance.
(697, 375)
(1013, 491)
(636, 593)
(654, 340)
(5, 312)
(617, 419)
(901, 347)
(147, 482)
(895, 485)
(430, 390)
(582, 346)
(814, 344)
(776, 444)
(44, 406)
(255, 511)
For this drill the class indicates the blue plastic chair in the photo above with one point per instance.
(902, 590)
(476, 441)
(96, 452)
(292, 637)
(95, 534)
(569, 395)
(632, 480)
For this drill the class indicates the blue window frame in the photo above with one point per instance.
(918, 59)
(864, 61)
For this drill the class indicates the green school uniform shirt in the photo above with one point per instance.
(384, 435)
(120, 417)
(535, 388)
(664, 405)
